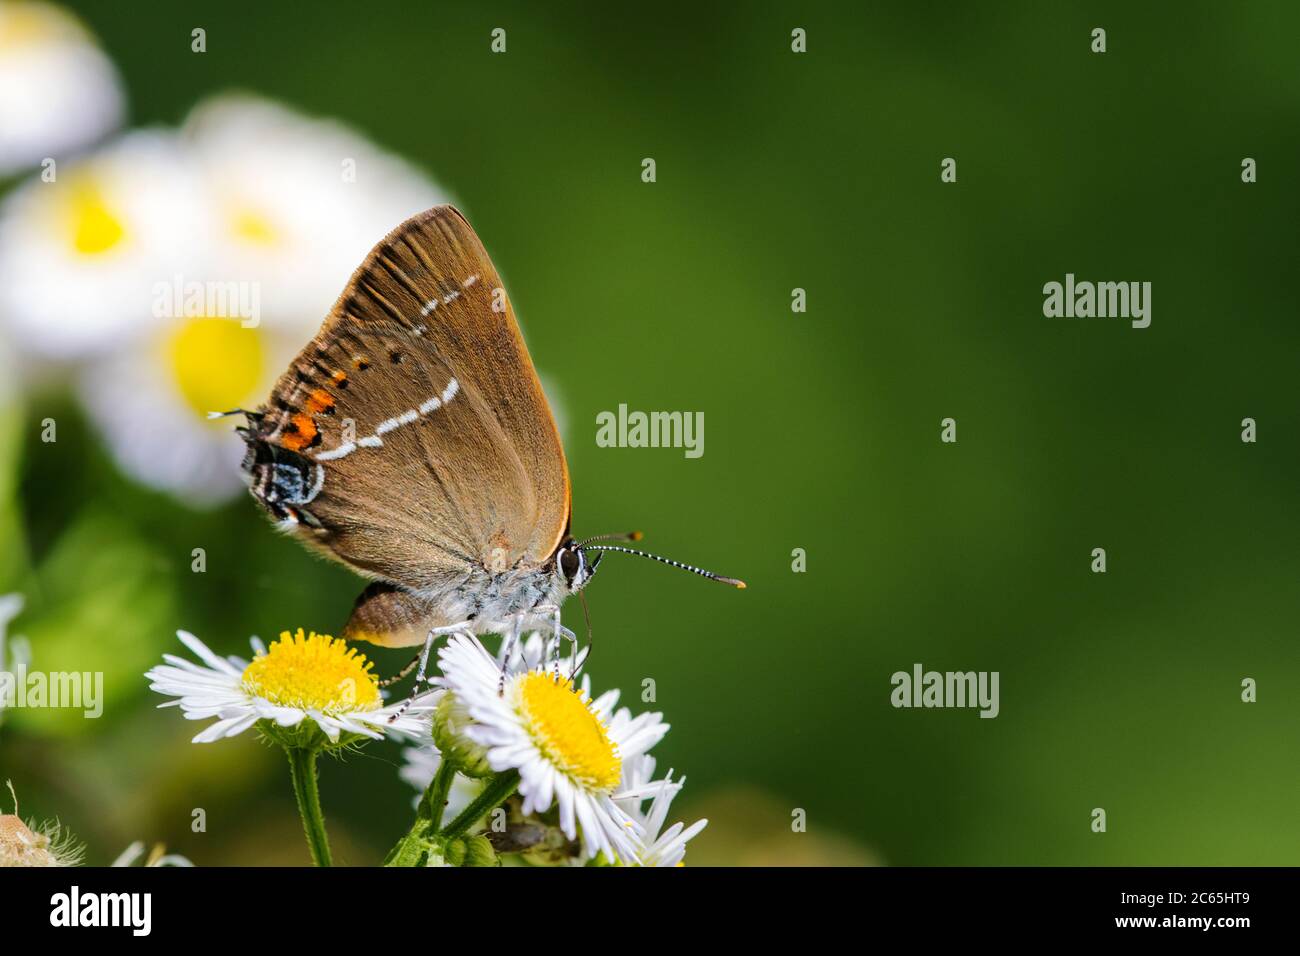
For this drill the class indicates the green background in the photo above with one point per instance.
(775, 170)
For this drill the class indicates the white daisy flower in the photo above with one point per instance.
(297, 202)
(535, 652)
(81, 257)
(419, 764)
(568, 748)
(300, 678)
(58, 91)
(660, 847)
(452, 716)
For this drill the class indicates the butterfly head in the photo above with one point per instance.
(574, 566)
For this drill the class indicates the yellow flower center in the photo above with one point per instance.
(250, 225)
(314, 672)
(95, 229)
(217, 363)
(30, 24)
(568, 732)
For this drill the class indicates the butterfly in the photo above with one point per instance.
(411, 441)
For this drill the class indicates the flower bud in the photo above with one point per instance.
(450, 718)
(478, 852)
(455, 852)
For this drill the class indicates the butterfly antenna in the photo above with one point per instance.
(734, 582)
(621, 536)
(248, 415)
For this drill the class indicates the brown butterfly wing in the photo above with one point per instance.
(411, 438)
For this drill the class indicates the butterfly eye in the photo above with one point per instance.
(570, 564)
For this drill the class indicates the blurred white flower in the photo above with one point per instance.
(58, 91)
(193, 268)
(81, 257)
(15, 654)
(157, 856)
(8, 370)
(11, 605)
(152, 403)
(187, 270)
(297, 202)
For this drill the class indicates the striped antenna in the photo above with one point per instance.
(251, 416)
(734, 582)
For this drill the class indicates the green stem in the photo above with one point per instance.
(302, 765)
(413, 849)
(424, 837)
(493, 795)
(435, 797)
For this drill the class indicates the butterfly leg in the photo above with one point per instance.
(559, 631)
(572, 638)
(421, 680)
(400, 675)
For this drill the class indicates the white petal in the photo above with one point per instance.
(209, 658)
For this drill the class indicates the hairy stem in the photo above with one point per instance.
(302, 765)
(434, 801)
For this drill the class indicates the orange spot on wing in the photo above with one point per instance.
(300, 433)
(339, 377)
(319, 401)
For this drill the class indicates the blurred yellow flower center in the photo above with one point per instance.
(566, 730)
(316, 672)
(217, 363)
(251, 225)
(24, 24)
(95, 229)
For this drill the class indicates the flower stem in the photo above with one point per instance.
(434, 801)
(500, 787)
(424, 839)
(413, 849)
(302, 765)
